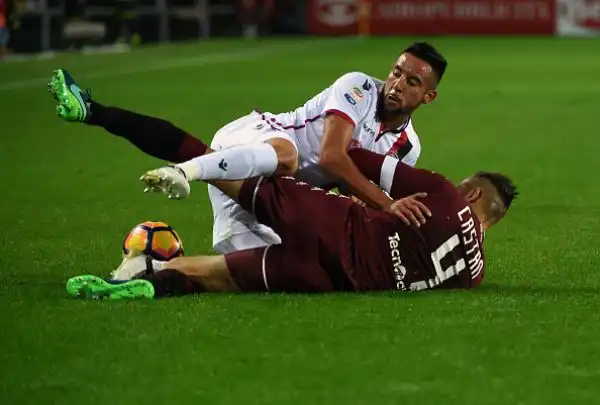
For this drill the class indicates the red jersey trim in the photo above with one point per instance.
(400, 142)
(342, 115)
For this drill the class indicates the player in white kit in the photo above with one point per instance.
(353, 97)
(355, 111)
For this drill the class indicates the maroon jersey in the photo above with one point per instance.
(447, 251)
(330, 243)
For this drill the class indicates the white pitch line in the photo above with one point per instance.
(154, 67)
(175, 63)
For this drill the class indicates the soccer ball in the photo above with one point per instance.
(155, 239)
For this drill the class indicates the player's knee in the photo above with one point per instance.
(287, 167)
(287, 156)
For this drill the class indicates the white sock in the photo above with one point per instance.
(236, 163)
(158, 265)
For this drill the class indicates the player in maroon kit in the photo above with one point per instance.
(330, 243)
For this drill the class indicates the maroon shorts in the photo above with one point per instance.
(314, 228)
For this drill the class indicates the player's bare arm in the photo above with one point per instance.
(337, 133)
(336, 160)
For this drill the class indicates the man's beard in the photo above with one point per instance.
(383, 115)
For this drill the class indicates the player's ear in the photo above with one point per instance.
(473, 195)
(429, 96)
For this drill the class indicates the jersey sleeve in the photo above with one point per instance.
(349, 97)
(394, 177)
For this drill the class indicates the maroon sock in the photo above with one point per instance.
(171, 283)
(154, 136)
(190, 148)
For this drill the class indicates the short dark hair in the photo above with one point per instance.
(429, 54)
(505, 187)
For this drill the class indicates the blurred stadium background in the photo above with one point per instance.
(520, 96)
(43, 25)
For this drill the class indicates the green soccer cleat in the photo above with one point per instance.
(95, 288)
(73, 103)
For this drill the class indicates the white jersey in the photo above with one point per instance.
(354, 97)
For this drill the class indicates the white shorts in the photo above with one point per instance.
(234, 228)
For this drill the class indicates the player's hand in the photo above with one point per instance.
(410, 210)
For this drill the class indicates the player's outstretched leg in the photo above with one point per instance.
(277, 155)
(155, 136)
(94, 288)
(173, 182)
(204, 273)
(73, 102)
(180, 276)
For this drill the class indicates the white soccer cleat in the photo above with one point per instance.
(132, 267)
(169, 180)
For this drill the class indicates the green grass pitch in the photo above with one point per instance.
(528, 335)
